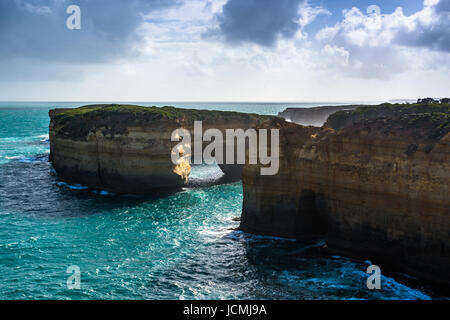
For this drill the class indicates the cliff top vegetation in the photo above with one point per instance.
(438, 113)
(115, 118)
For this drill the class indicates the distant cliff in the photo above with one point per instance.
(127, 149)
(315, 116)
(375, 182)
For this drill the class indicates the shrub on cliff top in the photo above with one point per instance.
(115, 118)
(342, 119)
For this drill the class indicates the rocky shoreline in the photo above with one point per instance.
(373, 180)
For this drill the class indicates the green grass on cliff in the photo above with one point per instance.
(167, 112)
(114, 118)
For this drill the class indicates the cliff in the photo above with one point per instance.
(345, 118)
(126, 148)
(374, 182)
(315, 116)
(279, 205)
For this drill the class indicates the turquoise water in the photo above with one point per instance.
(181, 246)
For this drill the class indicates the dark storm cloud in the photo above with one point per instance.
(257, 21)
(435, 36)
(37, 29)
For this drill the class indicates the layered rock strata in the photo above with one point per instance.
(375, 186)
(127, 149)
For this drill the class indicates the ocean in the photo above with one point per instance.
(181, 246)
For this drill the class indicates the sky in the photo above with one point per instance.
(225, 50)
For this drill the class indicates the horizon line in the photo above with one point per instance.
(169, 101)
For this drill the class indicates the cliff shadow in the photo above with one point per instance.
(30, 186)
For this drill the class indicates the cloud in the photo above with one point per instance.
(360, 57)
(428, 28)
(309, 13)
(29, 70)
(182, 23)
(262, 22)
(377, 45)
(431, 27)
(37, 29)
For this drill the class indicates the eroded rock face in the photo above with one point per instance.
(130, 158)
(377, 189)
(127, 149)
(280, 205)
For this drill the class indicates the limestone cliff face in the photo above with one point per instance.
(376, 189)
(129, 158)
(127, 149)
(280, 205)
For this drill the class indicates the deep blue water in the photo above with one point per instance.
(180, 246)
